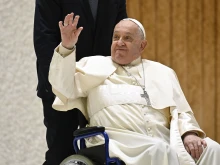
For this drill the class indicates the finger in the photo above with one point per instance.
(192, 150)
(78, 31)
(75, 21)
(60, 25)
(66, 20)
(200, 148)
(196, 150)
(70, 20)
(204, 143)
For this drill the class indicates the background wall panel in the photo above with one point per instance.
(194, 56)
(133, 8)
(148, 17)
(184, 34)
(163, 28)
(178, 42)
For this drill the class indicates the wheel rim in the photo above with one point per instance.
(77, 160)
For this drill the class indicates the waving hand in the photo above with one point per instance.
(69, 31)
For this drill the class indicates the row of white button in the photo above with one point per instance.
(149, 130)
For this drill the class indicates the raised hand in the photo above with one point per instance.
(69, 31)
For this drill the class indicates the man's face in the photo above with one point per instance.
(127, 44)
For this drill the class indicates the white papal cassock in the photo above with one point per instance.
(140, 134)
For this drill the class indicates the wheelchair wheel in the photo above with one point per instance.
(77, 160)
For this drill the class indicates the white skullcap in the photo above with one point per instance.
(137, 23)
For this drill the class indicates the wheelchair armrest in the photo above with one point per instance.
(88, 130)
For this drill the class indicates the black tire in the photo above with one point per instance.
(77, 160)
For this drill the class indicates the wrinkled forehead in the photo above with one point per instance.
(131, 26)
(126, 26)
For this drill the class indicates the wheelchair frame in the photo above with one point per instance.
(87, 132)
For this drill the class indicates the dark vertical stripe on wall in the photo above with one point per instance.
(171, 32)
(149, 23)
(202, 64)
(187, 51)
(178, 41)
(133, 8)
(218, 68)
(216, 71)
(195, 57)
(156, 29)
(163, 32)
(208, 50)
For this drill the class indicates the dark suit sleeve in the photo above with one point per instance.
(46, 29)
(122, 12)
(46, 38)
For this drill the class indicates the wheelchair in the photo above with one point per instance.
(98, 155)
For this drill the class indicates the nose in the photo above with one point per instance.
(120, 42)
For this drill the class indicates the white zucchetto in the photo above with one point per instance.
(139, 25)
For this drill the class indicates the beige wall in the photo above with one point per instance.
(22, 132)
(185, 35)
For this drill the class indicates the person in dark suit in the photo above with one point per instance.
(98, 18)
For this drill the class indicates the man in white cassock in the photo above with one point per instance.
(139, 102)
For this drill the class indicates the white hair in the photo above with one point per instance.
(141, 27)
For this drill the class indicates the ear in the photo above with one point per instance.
(143, 45)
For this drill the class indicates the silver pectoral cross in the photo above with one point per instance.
(146, 96)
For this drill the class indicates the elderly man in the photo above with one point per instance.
(140, 102)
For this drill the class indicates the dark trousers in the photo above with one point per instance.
(59, 134)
